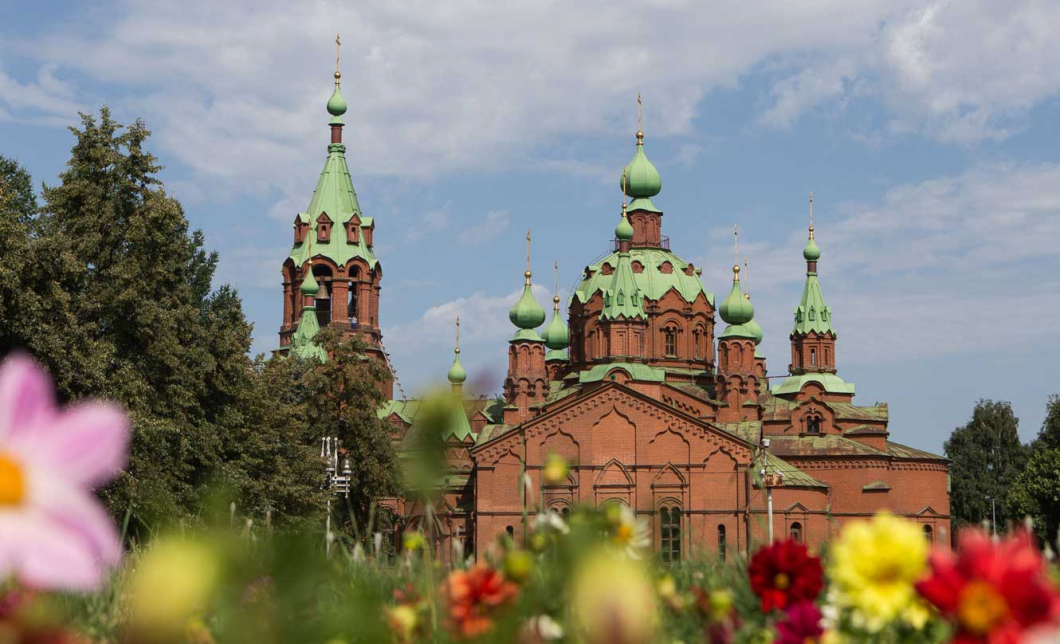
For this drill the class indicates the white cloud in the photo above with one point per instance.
(492, 225)
(429, 222)
(236, 90)
(951, 265)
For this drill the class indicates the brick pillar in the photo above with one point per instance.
(527, 380)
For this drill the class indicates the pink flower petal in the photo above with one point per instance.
(80, 515)
(87, 444)
(27, 397)
(43, 557)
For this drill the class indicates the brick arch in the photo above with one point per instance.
(669, 445)
(616, 434)
(669, 476)
(613, 474)
(720, 460)
(561, 443)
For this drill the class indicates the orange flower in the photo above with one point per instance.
(473, 596)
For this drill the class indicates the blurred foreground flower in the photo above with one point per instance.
(993, 592)
(874, 566)
(55, 534)
(555, 470)
(24, 620)
(473, 597)
(802, 626)
(172, 584)
(612, 600)
(784, 573)
(628, 532)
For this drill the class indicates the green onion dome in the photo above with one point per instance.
(624, 230)
(756, 330)
(309, 284)
(457, 375)
(527, 313)
(336, 104)
(642, 179)
(812, 253)
(556, 335)
(735, 308)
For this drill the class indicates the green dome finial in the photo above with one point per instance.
(527, 312)
(336, 104)
(556, 335)
(624, 230)
(640, 176)
(735, 308)
(309, 284)
(811, 252)
(752, 326)
(456, 374)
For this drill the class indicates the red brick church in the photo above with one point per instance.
(653, 406)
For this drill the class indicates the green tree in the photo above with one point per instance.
(986, 457)
(1036, 491)
(18, 205)
(342, 399)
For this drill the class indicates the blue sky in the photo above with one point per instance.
(926, 131)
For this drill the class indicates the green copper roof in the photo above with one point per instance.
(791, 475)
(642, 179)
(336, 104)
(812, 314)
(557, 354)
(556, 334)
(457, 424)
(302, 345)
(735, 308)
(527, 313)
(456, 374)
(636, 371)
(642, 203)
(309, 285)
(623, 298)
(811, 252)
(829, 381)
(652, 283)
(335, 196)
(737, 331)
(527, 335)
(624, 230)
(756, 330)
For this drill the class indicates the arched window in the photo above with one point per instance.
(670, 344)
(352, 308)
(813, 357)
(721, 542)
(796, 532)
(510, 530)
(670, 534)
(695, 344)
(813, 425)
(929, 534)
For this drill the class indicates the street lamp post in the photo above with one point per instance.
(334, 482)
(993, 515)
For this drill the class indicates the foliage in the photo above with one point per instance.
(341, 398)
(986, 457)
(106, 285)
(1036, 491)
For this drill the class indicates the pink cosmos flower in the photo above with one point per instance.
(54, 533)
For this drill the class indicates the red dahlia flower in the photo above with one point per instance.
(992, 592)
(473, 595)
(785, 573)
(803, 625)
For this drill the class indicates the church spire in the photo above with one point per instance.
(812, 315)
(623, 298)
(641, 180)
(457, 375)
(337, 104)
(735, 309)
(527, 314)
(556, 335)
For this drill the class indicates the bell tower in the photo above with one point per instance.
(333, 243)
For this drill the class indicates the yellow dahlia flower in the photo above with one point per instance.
(874, 566)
